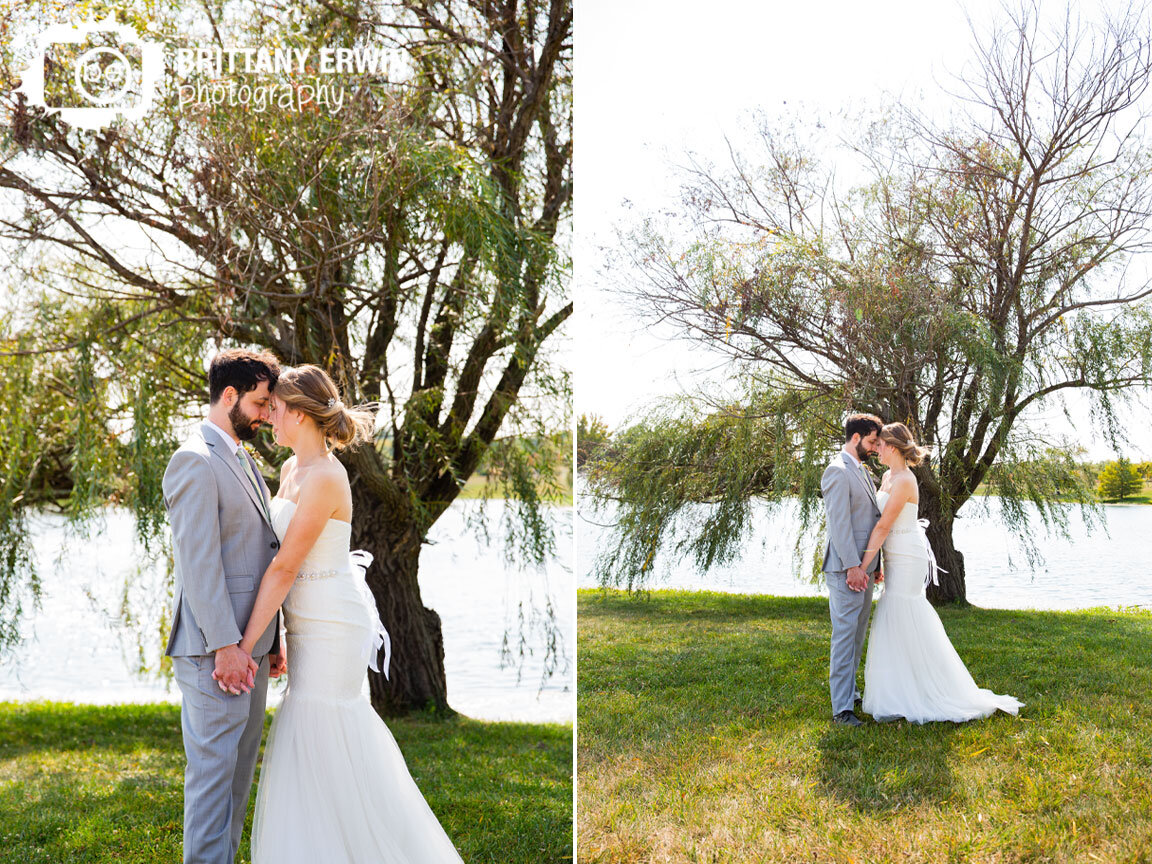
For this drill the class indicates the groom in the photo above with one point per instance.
(223, 541)
(852, 512)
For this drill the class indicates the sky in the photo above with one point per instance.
(655, 80)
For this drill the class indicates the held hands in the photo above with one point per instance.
(857, 578)
(235, 670)
(278, 663)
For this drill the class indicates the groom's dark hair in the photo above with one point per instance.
(242, 369)
(865, 424)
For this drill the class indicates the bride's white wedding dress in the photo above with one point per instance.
(912, 670)
(334, 788)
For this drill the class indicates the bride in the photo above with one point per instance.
(912, 670)
(334, 786)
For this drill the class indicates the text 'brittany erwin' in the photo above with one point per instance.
(256, 61)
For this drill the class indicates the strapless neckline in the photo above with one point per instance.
(294, 504)
(888, 495)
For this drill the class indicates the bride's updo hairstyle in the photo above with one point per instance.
(898, 436)
(308, 389)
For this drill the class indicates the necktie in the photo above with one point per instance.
(867, 478)
(247, 469)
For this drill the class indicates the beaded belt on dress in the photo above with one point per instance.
(317, 574)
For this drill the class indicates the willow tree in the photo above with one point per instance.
(411, 242)
(651, 477)
(975, 270)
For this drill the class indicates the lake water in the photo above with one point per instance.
(1092, 568)
(96, 627)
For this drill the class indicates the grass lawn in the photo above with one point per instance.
(83, 783)
(704, 736)
(1143, 496)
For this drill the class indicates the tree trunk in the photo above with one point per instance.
(948, 558)
(416, 678)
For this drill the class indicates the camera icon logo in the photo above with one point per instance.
(92, 73)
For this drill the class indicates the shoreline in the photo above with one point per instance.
(9, 698)
(980, 493)
(7, 703)
(584, 592)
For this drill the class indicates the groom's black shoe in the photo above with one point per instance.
(847, 718)
(857, 702)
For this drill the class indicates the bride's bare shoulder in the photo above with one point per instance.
(904, 482)
(326, 476)
(334, 470)
(328, 482)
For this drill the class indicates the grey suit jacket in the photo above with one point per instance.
(222, 544)
(852, 512)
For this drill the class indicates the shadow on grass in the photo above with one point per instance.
(882, 767)
(92, 784)
(1054, 661)
(686, 606)
(682, 640)
(469, 770)
(1057, 663)
(138, 819)
(26, 727)
(673, 667)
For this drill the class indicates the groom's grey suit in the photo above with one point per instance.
(223, 543)
(852, 512)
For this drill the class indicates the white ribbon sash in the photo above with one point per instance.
(379, 636)
(934, 569)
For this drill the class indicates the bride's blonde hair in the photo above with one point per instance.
(898, 436)
(308, 389)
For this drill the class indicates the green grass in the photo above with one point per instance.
(1144, 496)
(705, 737)
(85, 783)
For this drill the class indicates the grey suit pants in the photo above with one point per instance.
(221, 740)
(849, 611)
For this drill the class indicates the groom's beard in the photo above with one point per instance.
(861, 453)
(244, 426)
